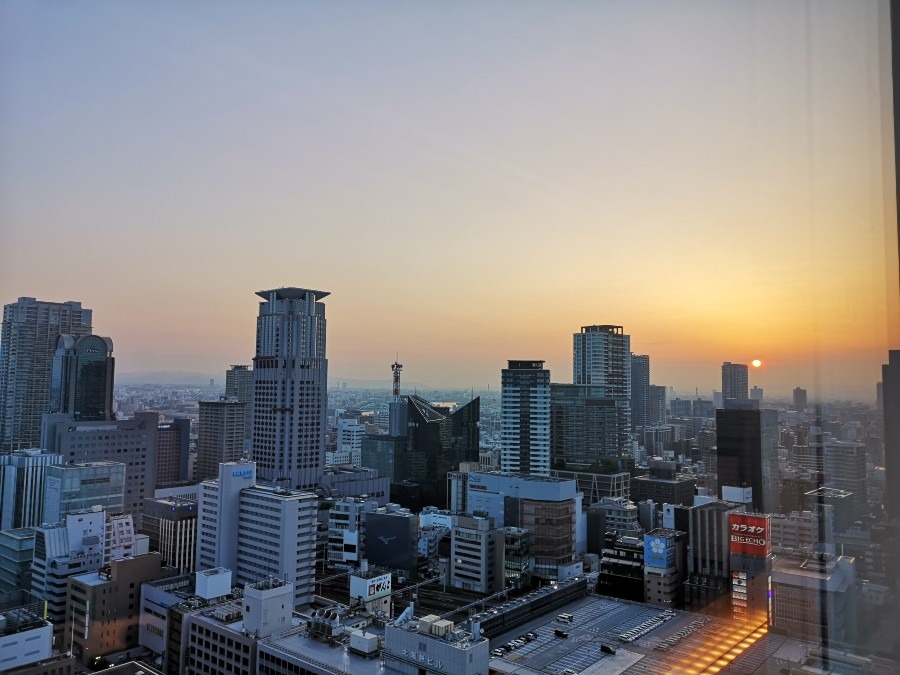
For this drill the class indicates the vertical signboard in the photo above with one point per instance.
(749, 535)
(659, 552)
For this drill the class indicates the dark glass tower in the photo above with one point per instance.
(81, 382)
(890, 377)
(438, 441)
(747, 453)
(640, 390)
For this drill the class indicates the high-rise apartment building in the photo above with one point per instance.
(640, 390)
(799, 399)
(81, 380)
(735, 382)
(656, 414)
(584, 426)
(27, 346)
(602, 357)
(890, 378)
(220, 436)
(525, 418)
(290, 376)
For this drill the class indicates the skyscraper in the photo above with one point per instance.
(734, 381)
(640, 390)
(656, 411)
(602, 357)
(290, 377)
(438, 440)
(890, 377)
(132, 442)
(81, 381)
(799, 399)
(525, 418)
(173, 445)
(27, 346)
(747, 453)
(239, 385)
(584, 426)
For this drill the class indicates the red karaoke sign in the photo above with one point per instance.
(749, 534)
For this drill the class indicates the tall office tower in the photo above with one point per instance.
(80, 487)
(584, 427)
(218, 501)
(747, 453)
(799, 399)
(27, 346)
(220, 437)
(437, 442)
(525, 418)
(277, 537)
(640, 390)
(656, 413)
(890, 378)
(845, 469)
(734, 381)
(290, 377)
(602, 356)
(239, 385)
(81, 380)
(757, 394)
(173, 447)
(22, 486)
(132, 442)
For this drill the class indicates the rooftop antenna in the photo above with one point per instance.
(396, 367)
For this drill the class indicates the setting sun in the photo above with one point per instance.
(756, 363)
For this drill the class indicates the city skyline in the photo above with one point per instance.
(470, 188)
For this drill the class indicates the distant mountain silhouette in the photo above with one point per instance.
(405, 386)
(170, 377)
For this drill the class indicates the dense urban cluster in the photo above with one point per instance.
(601, 524)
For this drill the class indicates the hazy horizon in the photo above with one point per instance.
(472, 182)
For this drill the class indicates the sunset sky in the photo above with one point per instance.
(472, 181)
